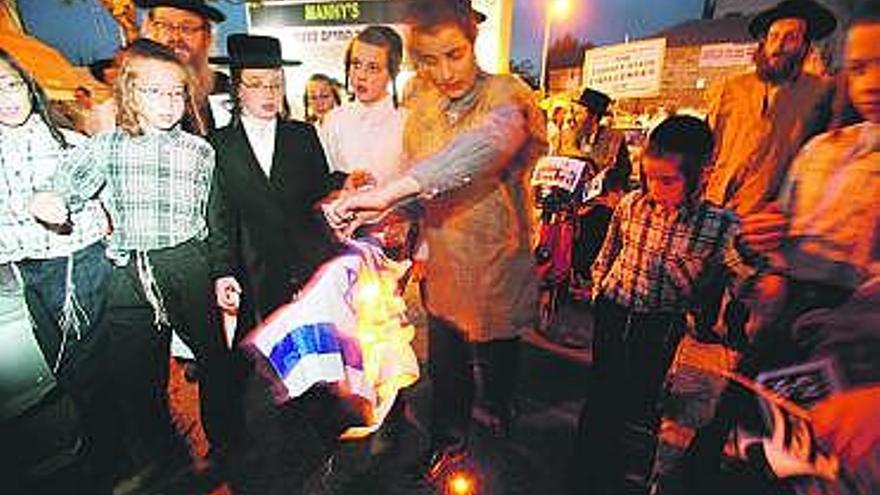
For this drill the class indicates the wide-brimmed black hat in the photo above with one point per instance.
(595, 101)
(199, 7)
(820, 21)
(249, 51)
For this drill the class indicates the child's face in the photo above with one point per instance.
(15, 101)
(863, 69)
(446, 56)
(665, 183)
(160, 95)
(262, 93)
(368, 72)
(320, 96)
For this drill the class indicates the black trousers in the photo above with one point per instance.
(590, 236)
(140, 352)
(451, 365)
(617, 427)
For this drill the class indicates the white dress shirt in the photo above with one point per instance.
(261, 136)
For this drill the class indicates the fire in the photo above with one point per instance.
(384, 335)
(461, 483)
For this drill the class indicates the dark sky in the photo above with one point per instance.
(84, 31)
(600, 21)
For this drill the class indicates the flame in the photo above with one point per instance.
(461, 483)
(384, 334)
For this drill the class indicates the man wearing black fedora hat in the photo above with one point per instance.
(606, 152)
(185, 27)
(761, 119)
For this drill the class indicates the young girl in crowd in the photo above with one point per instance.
(365, 136)
(63, 268)
(321, 96)
(662, 246)
(154, 180)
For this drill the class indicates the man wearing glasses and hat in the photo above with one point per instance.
(185, 27)
(761, 119)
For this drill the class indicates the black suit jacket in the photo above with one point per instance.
(267, 229)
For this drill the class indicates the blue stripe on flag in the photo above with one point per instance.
(318, 338)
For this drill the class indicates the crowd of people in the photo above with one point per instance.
(755, 231)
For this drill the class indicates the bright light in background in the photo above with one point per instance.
(461, 484)
(555, 9)
(559, 8)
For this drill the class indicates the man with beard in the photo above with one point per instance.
(185, 27)
(761, 119)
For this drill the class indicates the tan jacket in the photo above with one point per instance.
(480, 275)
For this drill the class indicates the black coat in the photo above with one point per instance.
(267, 230)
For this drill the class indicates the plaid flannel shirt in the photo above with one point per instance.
(29, 156)
(155, 187)
(656, 259)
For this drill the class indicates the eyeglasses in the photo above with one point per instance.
(273, 86)
(185, 28)
(12, 85)
(371, 68)
(156, 92)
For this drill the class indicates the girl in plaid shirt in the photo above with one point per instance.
(154, 179)
(662, 247)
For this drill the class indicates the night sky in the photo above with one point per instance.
(600, 21)
(85, 32)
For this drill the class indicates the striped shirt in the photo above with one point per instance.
(656, 259)
(29, 156)
(155, 187)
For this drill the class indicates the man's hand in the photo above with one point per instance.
(368, 206)
(850, 422)
(765, 230)
(49, 207)
(228, 293)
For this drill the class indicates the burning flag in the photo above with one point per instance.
(347, 328)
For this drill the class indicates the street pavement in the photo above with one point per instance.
(285, 453)
(552, 382)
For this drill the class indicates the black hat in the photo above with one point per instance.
(596, 101)
(820, 21)
(248, 51)
(197, 6)
(465, 5)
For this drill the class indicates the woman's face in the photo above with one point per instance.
(320, 97)
(368, 72)
(262, 93)
(446, 56)
(15, 100)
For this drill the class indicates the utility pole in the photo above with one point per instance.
(709, 9)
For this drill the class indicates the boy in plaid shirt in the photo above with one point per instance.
(662, 247)
(154, 179)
